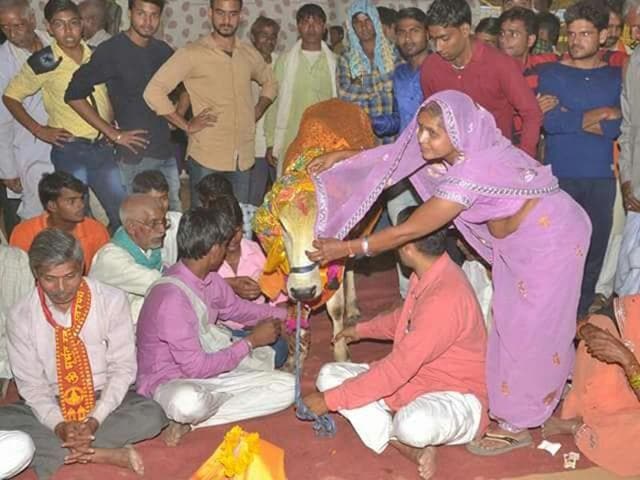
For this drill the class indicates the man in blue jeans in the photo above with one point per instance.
(581, 129)
(78, 148)
(126, 63)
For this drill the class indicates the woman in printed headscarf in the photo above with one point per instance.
(365, 70)
(511, 210)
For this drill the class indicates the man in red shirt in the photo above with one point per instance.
(488, 76)
(430, 390)
(518, 35)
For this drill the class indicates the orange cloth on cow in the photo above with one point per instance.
(602, 396)
(332, 125)
(90, 233)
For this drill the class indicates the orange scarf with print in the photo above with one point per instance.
(75, 379)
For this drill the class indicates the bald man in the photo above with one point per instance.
(132, 260)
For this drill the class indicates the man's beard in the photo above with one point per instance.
(226, 32)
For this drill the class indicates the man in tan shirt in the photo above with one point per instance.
(217, 71)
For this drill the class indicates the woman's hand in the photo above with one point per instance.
(328, 160)
(603, 346)
(327, 250)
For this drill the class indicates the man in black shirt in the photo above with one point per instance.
(126, 63)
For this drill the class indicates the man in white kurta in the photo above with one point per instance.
(306, 75)
(81, 399)
(23, 158)
(132, 260)
(628, 274)
(17, 282)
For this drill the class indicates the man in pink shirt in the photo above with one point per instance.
(430, 390)
(188, 361)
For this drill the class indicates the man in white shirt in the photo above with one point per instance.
(17, 282)
(132, 260)
(23, 158)
(72, 351)
(264, 36)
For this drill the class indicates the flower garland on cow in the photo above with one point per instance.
(328, 126)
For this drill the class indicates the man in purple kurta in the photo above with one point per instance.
(190, 363)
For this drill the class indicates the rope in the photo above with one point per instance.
(323, 425)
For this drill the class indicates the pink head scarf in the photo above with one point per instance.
(347, 191)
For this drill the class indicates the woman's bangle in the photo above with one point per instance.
(634, 381)
(365, 246)
(249, 343)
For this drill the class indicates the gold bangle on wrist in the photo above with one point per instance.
(634, 381)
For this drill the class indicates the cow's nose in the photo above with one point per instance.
(303, 294)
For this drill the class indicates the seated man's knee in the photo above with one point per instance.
(152, 416)
(414, 426)
(184, 402)
(284, 383)
(333, 374)
(16, 452)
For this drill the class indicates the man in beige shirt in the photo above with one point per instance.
(217, 72)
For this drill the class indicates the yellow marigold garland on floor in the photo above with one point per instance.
(232, 458)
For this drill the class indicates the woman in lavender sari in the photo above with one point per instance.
(511, 210)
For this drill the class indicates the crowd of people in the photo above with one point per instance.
(123, 317)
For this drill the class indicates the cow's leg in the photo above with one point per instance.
(351, 301)
(305, 345)
(337, 313)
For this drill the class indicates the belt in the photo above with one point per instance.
(89, 141)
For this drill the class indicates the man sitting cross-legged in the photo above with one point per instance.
(132, 260)
(430, 390)
(189, 362)
(72, 351)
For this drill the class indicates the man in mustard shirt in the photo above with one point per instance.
(217, 71)
(77, 147)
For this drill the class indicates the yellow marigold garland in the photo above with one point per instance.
(237, 450)
(232, 458)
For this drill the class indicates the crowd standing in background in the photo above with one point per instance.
(514, 139)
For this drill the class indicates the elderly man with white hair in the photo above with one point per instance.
(132, 260)
(23, 158)
(628, 274)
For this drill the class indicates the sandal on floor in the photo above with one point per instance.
(510, 444)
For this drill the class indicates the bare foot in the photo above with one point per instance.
(173, 434)
(126, 457)
(557, 426)
(425, 458)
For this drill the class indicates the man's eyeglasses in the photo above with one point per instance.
(155, 224)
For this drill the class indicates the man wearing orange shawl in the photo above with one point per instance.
(602, 410)
(72, 352)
